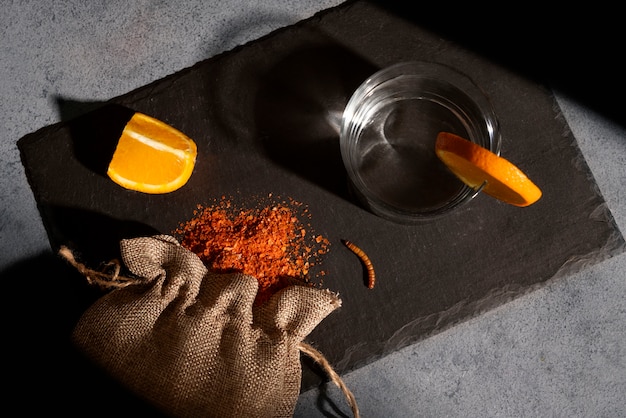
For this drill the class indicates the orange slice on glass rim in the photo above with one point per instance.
(152, 156)
(476, 166)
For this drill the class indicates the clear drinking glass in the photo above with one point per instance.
(388, 134)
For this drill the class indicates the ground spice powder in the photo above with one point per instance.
(270, 241)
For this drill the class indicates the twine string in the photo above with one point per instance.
(319, 358)
(100, 278)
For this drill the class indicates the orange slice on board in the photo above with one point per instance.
(477, 166)
(152, 157)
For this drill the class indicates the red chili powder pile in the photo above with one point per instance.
(269, 242)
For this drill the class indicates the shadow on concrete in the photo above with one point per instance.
(44, 298)
(573, 50)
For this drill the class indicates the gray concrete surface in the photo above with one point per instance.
(557, 352)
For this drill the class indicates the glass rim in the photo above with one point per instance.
(436, 72)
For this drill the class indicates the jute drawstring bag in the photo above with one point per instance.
(192, 342)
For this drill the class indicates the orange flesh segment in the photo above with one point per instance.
(475, 166)
(152, 157)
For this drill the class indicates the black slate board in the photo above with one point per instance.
(265, 119)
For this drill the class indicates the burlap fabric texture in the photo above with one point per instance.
(193, 343)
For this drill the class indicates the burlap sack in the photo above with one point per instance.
(193, 343)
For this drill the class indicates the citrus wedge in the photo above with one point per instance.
(477, 166)
(152, 157)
